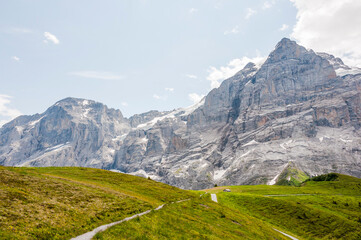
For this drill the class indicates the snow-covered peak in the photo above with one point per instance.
(341, 69)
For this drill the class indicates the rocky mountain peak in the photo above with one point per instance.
(249, 130)
(286, 49)
(84, 109)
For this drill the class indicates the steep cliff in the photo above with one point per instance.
(299, 109)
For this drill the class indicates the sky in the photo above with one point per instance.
(142, 55)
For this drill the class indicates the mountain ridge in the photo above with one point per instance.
(298, 106)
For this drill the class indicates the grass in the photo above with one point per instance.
(60, 203)
(325, 210)
(291, 176)
(194, 219)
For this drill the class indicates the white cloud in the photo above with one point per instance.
(21, 30)
(195, 98)
(125, 104)
(51, 37)
(193, 10)
(234, 30)
(250, 13)
(268, 4)
(283, 27)
(97, 75)
(169, 89)
(216, 75)
(330, 26)
(7, 113)
(15, 58)
(191, 76)
(156, 96)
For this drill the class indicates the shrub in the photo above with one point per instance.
(325, 177)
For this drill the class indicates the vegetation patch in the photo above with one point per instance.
(325, 177)
(60, 203)
(316, 210)
(195, 219)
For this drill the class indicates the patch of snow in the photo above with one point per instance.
(273, 181)
(321, 139)
(245, 154)
(57, 147)
(143, 140)
(343, 72)
(95, 161)
(250, 143)
(214, 197)
(139, 173)
(19, 129)
(85, 102)
(115, 170)
(218, 174)
(289, 178)
(119, 138)
(343, 140)
(204, 165)
(192, 108)
(285, 145)
(35, 122)
(152, 122)
(47, 152)
(172, 115)
(86, 111)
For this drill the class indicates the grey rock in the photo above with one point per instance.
(298, 108)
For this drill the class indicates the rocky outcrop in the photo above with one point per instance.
(299, 108)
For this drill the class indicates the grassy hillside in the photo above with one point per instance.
(194, 219)
(59, 203)
(316, 210)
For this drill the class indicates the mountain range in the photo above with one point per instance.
(298, 112)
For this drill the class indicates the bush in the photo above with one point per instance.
(325, 177)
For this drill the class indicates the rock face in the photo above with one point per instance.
(73, 132)
(299, 108)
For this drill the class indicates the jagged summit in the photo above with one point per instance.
(287, 49)
(249, 65)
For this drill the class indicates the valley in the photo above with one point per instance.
(62, 203)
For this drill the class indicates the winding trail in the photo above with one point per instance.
(91, 234)
(214, 199)
(293, 238)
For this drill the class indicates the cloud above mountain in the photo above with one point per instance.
(7, 112)
(217, 75)
(330, 26)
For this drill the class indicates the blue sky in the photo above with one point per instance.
(135, 55)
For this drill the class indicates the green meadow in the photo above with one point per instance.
(60, 203)
(317, 209)
(64, 202)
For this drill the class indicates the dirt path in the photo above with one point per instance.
(214, 199)
(91, 234)
(293, 238)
